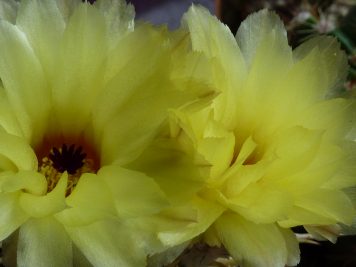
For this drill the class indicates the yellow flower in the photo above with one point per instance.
(82, 95)
(274, 139)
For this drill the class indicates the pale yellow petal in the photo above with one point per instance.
(44, 242)
(324, 232)
(109, 244)
(218, 152)
(79, 69)
(131, 109)
(187, 225)
(332, 61)
(294, 150)
(292, 246)
(24, 81)
(216, 41)
(18, 151)
(257, 27)
(28, 181)
(49, 204)
(8, 120)
(43, 24)
(173, 170)
(261, 204)
(252, 245)
(11, 215)
(90, 201)
(328, 203)
(299, 216)
(119, 18)
(134, 193)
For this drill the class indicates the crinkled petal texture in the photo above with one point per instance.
(72, 71)
(275, 139)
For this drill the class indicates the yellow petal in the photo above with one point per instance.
(327, 232)
(28, 181)
(18, 151)
(177, 231)
(258, 27)
(257, 245)
(216, 41)
(173, 170)
(11, 215)
(292, 246)
(332, 61)
(119, 18)
(90, 201)
(261, 204)
(44, 242)
(300, 216)
(8, 119)
(42, 206)
(43, 24)
(24, 81)
(130, 111)
(109, 243)
(79, 69)
(328, 203)
(134, 193)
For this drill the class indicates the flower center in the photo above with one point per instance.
(73, 159)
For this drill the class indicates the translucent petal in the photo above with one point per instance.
(300, 216)
(332, 61)
(79, 69)
(264, 44)
(337, 123)
(51, 203)
(216, 41)
(328, 203)
(324, 232)
(11, 215)
(119, 18)
(24, 81)
(258, 27)
(42, 243)
(130, 110)
(292, 246)
(135, 194)
(43, 24)
(91, 200)
(67, 7)
(109, 244)
(8, 120)
(252, 245)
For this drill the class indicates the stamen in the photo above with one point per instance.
(71, 159)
